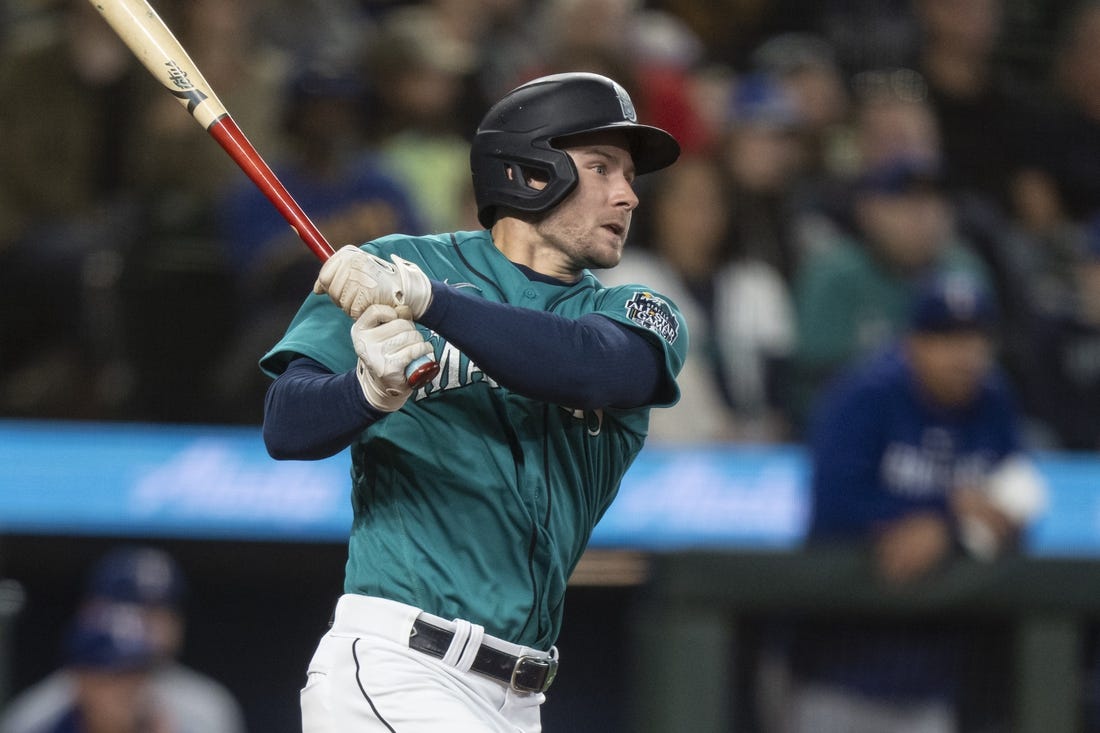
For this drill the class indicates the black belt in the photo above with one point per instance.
(523, 674)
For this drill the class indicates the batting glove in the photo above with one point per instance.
(386, 345)
(355, 279)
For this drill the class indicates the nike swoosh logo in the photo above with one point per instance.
(461, 285)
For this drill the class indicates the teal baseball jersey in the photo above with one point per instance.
(473, 501)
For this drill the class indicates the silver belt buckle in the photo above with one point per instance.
(550, 665)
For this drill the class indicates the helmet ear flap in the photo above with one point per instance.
(501, 168)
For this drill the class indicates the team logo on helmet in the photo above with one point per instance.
(649, 311)
(625, 103)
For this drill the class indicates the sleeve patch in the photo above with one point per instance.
(649, 311)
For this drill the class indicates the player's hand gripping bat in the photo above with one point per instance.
(140, 28)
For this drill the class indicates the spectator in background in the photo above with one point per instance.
(853, 297)
(1061, 389)
(737, 305)
(764, 157)
(1055, 195)
(868, 35)
(981, 112)
(74, 101)
(180, 173)
(916, 455)
(805, 64)
(666, 57)
(587, 35)
(503, 40)
(146, 582)
(507, 41)
(331, 171)
(978, 108)
(1058, 185)
(108, 195)
(893, 118)
(302, 28)
(345, 188)
(419, 74)
(889, 119)
(108, 654)
(175, 281)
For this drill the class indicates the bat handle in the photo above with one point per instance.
(421, 371)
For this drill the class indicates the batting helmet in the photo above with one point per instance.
(520, 132)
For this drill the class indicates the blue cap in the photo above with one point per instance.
(142, 575)
(109, 637)
(901, 175)
(953, 302)
(761, 99)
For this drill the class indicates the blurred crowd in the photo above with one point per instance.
(835, 155)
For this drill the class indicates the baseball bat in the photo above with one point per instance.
(147, 36)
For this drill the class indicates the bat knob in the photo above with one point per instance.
(421, 371)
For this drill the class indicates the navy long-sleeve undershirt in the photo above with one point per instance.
(311, 413)
(590, 362)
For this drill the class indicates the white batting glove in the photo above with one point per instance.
(355, 279)
(386, 345)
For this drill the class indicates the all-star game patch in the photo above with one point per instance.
(649, 311)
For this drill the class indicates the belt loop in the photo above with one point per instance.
(472, 647)
(458, 642)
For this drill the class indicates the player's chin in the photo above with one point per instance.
(605, 259)
(608, 251)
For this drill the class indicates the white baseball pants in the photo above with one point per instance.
(365, 678)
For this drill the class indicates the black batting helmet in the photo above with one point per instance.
(520, 132)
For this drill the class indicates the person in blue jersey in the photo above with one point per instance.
(111, 656)
(134, 597)
(474, 496)
(915, 454)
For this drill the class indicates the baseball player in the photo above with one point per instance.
(917, 455)
(474, 497)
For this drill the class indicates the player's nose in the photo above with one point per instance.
(624, 195)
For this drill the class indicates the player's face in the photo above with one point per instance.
(951, 366)
(908, 229)
(589, 227)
